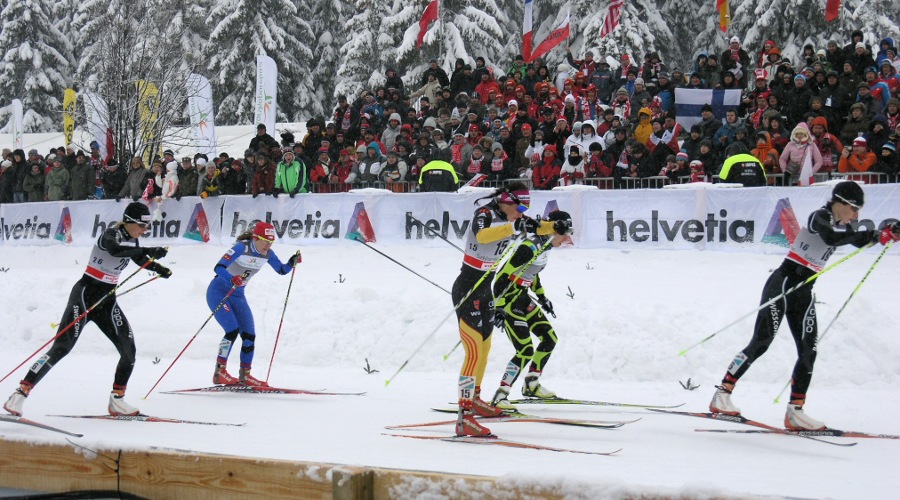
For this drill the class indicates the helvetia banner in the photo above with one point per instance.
(266, 92)
(200, 110)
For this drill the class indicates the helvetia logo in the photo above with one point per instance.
(64, 228)
(30, 229)
(198, 226)
(783, 226)
(691, 230)
(313, 226)
(360, 226)
(428, 228)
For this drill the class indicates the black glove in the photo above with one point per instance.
(295, 259)
(499, 319)
(255, 195)
(156, 252)
(178, 197)
(562, 227)
(527, 224)
(135, 198)
(895, 227)
(546, 305)
(118, 199)
(292, 194)
(274, 194)
(163, 272)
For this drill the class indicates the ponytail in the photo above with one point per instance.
(245, 236)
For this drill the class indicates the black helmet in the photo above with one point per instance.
(848, 192)
(136, 213)
(562, 221)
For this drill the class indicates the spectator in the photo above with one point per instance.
(113, 179)
(188, 179)
(500, 167)
(290, 175)
(7, 181)
(887, 163)
(342, 170)
(392, 80)
(393, 172)
(572, 170)
(857, 124)
(210, 183)
(34, 182)
(438, 72)
(796, 152)
(709, 124)
(857, 158)
(262, 138)
(878, 133)
(57, 181)
(320, 171)
(167, 183)
(736, 59)
(263, 177)
(766, 153)
(82, 179)
(698, 174)
(372, 163)
(233, 177)
(19, 171)
(546, 175)
(596, 167)
(134, 182)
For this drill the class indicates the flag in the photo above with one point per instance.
(148, 111)
(724, 18)
(360, 225)
(98, 121)
(69, 99)
(689, 103)
(18, 127)
(612, 17)
(266, 92)
(832, 10)
(200, 111)
(806, 172)
(526, 33)
(556, 37)
(430, 15)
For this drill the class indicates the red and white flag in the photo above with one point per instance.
(832, 10)
(555, 38)
(612, 17)
(806, 171)
(430, 15)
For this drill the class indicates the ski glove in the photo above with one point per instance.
(500, 319)
(563, 227)
(237, 280)
(163, 272)
(527, 224)
(546, 305)
(274, 194)
(295, 259)
(887, 235)
(156, 252)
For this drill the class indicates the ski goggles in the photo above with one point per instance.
(522, 199)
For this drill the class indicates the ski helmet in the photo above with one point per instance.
(848, 192)
(264, 231)
(136, 213)
(562, 221)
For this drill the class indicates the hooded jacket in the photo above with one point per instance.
(796, 150)
(767, 154)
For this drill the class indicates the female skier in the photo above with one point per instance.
(827, 228)
(517, 314)
(233, 272)
(493, 227)
(109, 257)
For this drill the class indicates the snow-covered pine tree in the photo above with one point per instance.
(240, 30)
(685, 20)
(477, 28)
(329, 30)
(189, 21)
(358, 56)
(641, 30)
(35, 66)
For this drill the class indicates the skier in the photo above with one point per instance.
(516, 312)
(225, 296)
(485, 243)
(827, 228)
(114, 248)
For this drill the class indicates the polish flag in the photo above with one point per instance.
(806, 171)
(832, 10)
(553, 39)
(430, 15)
(612, 17)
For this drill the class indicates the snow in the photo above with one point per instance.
(630, 314)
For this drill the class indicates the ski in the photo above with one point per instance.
(147, 418)
(247, 389)
(564, 401)
(22, 420)
(516, 416)
(828, 432)
(739, 419)
(496, 441)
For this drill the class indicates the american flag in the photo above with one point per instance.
(612, 17)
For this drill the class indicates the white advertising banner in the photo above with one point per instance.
(17, 125)
(751, 219)
(200, 109)
(98, 119)
(266, 93)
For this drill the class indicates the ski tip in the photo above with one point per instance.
(682, 353)
(387, 383)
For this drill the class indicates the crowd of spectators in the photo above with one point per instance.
(582, 121)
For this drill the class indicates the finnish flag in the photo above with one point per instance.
(689, 102)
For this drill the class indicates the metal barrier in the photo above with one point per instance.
(866, 177)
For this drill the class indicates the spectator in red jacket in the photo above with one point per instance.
(546, 175)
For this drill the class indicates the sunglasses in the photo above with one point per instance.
(853, 206)
(521, 200)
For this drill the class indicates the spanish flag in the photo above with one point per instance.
(724, 18)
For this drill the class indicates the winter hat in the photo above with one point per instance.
(454, 115)
(890, 147)
(526, 126)
(761, 74)
(681, 156)
(361, 149)
(201, 161)
(622, 91)
(696, 164)
(735, 39)
(394, 116)
(860, 45)
(512, 102)
(496, 146)
(860, 141)
(172, 166)
(576, 126)
(638, 81)
(570, 99)
(6, 163)
(169, 152)
(848, 192)
(264, 231)
(574, 151)
(136, 213)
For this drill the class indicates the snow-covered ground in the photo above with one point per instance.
(620, 332)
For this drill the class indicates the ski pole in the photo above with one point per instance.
(438, 234)
(858, 286)
(455, 307)
(135, 287)
(388, 257)
(523, 268)
(79, 318)
(280, 323)
(233, 288)
(777, 298)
